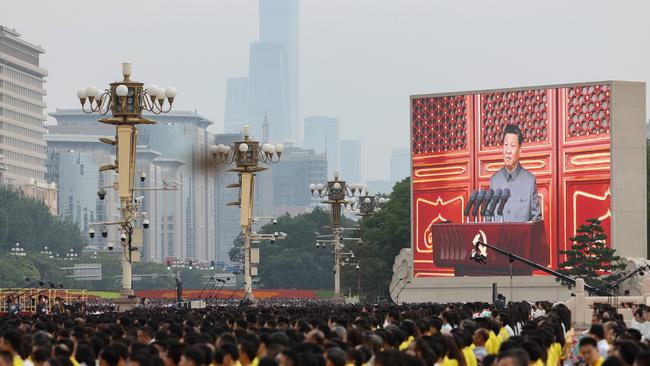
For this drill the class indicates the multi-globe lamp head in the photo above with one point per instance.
(127, 97)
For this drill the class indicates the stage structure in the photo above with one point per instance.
(585, 145)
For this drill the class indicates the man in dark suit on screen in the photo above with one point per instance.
(523, 204)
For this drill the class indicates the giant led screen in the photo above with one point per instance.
(554, 158)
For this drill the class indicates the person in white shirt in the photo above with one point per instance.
(597, 332)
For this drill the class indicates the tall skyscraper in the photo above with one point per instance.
(22, 87)
(400, 164)
(274, 70)
(351, 160)
(268, 91)
(322, 135)
(236, 114)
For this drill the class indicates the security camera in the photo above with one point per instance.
(104, 232)
(138, 200)
(274, 221)
(145, 223)
(110, 246)
(123, 237)
(334, 269)
(91, 232)
(272, 240)
(317, 245)
(101, 194)
(143, 176)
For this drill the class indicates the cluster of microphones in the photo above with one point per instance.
(489, 203)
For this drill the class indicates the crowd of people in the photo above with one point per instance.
(317, 333)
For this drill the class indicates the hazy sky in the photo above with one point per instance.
(359, 59)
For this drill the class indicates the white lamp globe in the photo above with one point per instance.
(319, 186)
(337, 185)
(170, 92)
(121, 90)
(81, 93)
(152, 90)
(312, 187)
(279, 148)
(91, 91)
(243, 147)
(367, 200)
(214, 149)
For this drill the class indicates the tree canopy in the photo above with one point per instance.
(296, 262)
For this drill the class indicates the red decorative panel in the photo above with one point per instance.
(588, 111)
(585, 199)
(439, 124)
(457, 147)
(584, 159)
(528, 109)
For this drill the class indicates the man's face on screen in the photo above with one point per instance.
(511, 150)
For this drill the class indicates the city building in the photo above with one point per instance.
(274, 70)
(400, 164)
(322, 135)
(350, 160)
(268, 91)
(73, 163)
(22, 88)
(292, 176)
(236, 112)
(175, 151)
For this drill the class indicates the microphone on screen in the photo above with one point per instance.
(470, 203)
(504, 198)
(477, 204)
(486, 202)
(495, 201)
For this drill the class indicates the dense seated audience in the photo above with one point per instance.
(316, 333)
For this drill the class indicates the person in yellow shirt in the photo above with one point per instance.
(588, 348)
(463, 340)
(11, 341)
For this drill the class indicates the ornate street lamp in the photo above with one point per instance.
(126, 100)
(249, 158)
(337, 194)
(18, 251)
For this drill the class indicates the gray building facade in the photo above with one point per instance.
(350, 160)
(322, 135)
(291, 179)
(236, 111)
(22, 88)
(175, 151)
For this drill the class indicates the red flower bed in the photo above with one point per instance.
(225, 294)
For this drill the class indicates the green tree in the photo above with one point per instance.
(296, 262)
(590, 258)
(383, 235)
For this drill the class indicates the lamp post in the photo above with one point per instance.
(353, 197)
(337, 194)
(249, 159)
(126, 100)
(18, 251)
